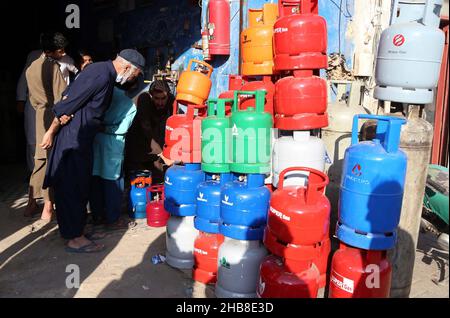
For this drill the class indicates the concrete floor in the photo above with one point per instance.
(33, 262)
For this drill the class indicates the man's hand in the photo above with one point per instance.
(167, 162)
(20, 106)
(47, 141)
(64, 119)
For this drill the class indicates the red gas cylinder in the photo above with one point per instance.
(183, 133)
(300, 38)
(359, 273)
(276, 281)
(300, 102)
(323, 260)
(297, 257)
(157, 216)
(219, 27)
(206, 252)
(300, 215)
(264, 85)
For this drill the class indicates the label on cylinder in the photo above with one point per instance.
(280, 215)
(343, 283)
(201, 252)
(201, 198)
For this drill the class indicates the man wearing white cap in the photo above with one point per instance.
(78, 119)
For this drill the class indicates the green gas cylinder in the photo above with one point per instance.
(251, 135)
(216, 136)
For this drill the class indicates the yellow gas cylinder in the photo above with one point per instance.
(257, 41)
(195, 84)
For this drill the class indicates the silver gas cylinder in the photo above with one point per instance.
(239, 264)
(180, 238)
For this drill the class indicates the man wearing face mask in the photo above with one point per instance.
(146, 137)
(78, 119)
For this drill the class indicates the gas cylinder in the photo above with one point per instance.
(300, 215)
(180, 189)
(416, 141)
(195, 85)
(301, 102)
(299, 149)
(183, 135)
(244, 207)
(410, 55)
(157, 216)
(300, 38)
(265, 85)
(257, 41)
(140, 181)
(239, 264)
(216, 138)
(180, 239)
(219, 27)
(337, 138)
(372, 187)
(251, 136)
(206, 253)
(208, 202)
(276, 281)
(359, 273)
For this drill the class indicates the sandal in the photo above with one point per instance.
(87, 249)
(95, 236)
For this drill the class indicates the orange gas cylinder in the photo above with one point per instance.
(206, 251)
(183, 135)
(357, 273)
(276, 281)
(300, 37)
(157, 216)
(264, 85)
(300, 102)
(195, 85)
(257, 41)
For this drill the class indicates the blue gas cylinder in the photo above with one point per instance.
(372, 187)
(140, 181)
(244, 207)
(180, 189)
(208, 202)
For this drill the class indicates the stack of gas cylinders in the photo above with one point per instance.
(297, 233)
(146, 201)
(183, 145)
(369, 211)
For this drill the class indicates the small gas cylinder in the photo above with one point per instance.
(300, 215)
(219, 27)
(359, 273)
(257, 41)
(216, 138)
(410, 55)
(209, 201)
(300, 102)
(206, 252)
(265, 85)
(195, 85)
(180, 239)
(372, 187)
(180, 189)
(157, 216)
(299, 149)
(140, 181)
(251, 136)
(300, 38)
(276, 281)
(183, 135)
(239, 264)
(244, 207)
